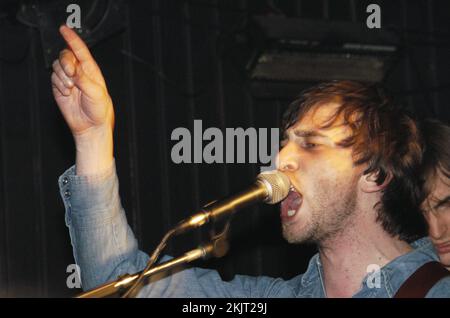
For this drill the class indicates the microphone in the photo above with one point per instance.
(270, 187)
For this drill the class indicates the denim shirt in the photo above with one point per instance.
(105, 248)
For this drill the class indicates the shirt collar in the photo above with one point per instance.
(310, 284)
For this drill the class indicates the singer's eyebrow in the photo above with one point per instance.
(308, 133)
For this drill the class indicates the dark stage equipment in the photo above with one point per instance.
(100, 19)
(288, 51)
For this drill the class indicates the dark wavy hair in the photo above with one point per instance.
(385, 137)
(436, 154)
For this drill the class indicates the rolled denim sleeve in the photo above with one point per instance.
(104, 246)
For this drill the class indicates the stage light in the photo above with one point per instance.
(290, 51)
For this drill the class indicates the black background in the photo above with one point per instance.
(177, 74)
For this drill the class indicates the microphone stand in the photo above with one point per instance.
(218, 247)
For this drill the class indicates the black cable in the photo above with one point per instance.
(178, 229)
(167, 80)
(151, 262)
(224, 34)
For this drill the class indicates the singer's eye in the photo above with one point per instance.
(308, 145)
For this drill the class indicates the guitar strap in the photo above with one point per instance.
(422, 280)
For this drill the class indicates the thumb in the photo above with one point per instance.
(86, 85)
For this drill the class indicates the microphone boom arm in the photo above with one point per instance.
(216, 248)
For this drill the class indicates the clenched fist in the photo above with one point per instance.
(81, 94)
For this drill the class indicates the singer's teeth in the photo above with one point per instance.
(291, 212)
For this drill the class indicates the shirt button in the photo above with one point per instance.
(65, 180)
(67, 194)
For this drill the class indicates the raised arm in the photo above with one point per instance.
(104, 246)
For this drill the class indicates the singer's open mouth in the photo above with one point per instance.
(291, 205)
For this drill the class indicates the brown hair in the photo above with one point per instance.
(385, 137)
(436, 154)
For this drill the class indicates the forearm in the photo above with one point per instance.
(94, 151)
(104, 246)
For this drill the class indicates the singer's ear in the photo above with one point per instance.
(371, 182)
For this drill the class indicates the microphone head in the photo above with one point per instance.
(277, 185)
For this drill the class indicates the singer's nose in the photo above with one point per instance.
(287, 159)
(437, 228)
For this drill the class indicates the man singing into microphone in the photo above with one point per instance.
(351, 157)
